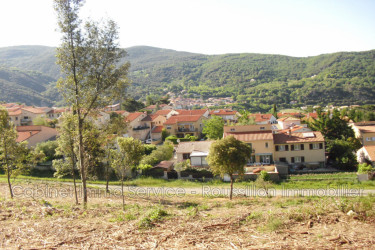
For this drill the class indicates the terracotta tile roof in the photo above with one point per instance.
(163, 112)
(147, 119)
(166, 165)
(371, 152)
(366, 129)
(312, 115)
(151, 107)
(294, 128)
(298, 137)
(295, 114)
(182, 118)
(251, 136)
(192, 112)
(188, 147)
(23, 136)
(153, 117)
(25, 132)
(29, 128)
(11, 105)
(223, 112)
(34, 110)
(364, 123)
(60, 110)
(261, 117)
(157, 129)
(132, 116)
(289, 118)
(154, 106)
(15, 112)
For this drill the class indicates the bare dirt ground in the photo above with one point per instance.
(191, 222)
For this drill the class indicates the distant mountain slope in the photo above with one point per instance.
(255, 80)
(24, 86)
(33, 58)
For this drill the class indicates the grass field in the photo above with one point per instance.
(190, 221)
(294, 181)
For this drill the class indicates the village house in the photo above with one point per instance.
(139, 126)
(287, 122)
(56, 113)
(153, 108)
(300, 149)
(23, 116)
(187, 122)
(156, 134)
(263, 118)
(195, 151)
(366, 154)
(365, 132)
(166, 113)
(259, 137)
(35, 134)
(114, 107)
(227, 115)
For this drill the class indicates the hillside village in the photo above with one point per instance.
(281, 145)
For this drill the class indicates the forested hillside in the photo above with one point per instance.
(254, 80)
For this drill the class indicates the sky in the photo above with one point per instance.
(287, 27)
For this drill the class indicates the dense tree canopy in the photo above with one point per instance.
(214, 127)
(228, 156)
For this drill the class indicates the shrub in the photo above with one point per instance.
(144, 167)
(49, 150)
(155, 215)
(149, 149)
(162, 153)
(264, 175)
(365, 168)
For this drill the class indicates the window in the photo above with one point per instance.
(232, 130)
(282, 159)
(316, 145)
(368, 138)
(297, 159)
(266, 145)
(373, 138)
(282, 148)
(262, 128)
(169, 127)
(186, 156)
(265, 159)
(296, 147)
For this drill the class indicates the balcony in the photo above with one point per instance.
(27, 121)
(141, 127)
(188, 130)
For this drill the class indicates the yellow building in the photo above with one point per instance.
(187, 122)
(139, 126)
(365, 132)
(261, 144)
(305, 149)
(300, 148)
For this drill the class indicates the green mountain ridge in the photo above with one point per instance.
(256, 81)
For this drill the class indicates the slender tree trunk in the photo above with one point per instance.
(8, 170)
(81, 159)
(231, 187)
(74, 178)
(122, 193)
(9, 183)
(107, 180)
(107, 175)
